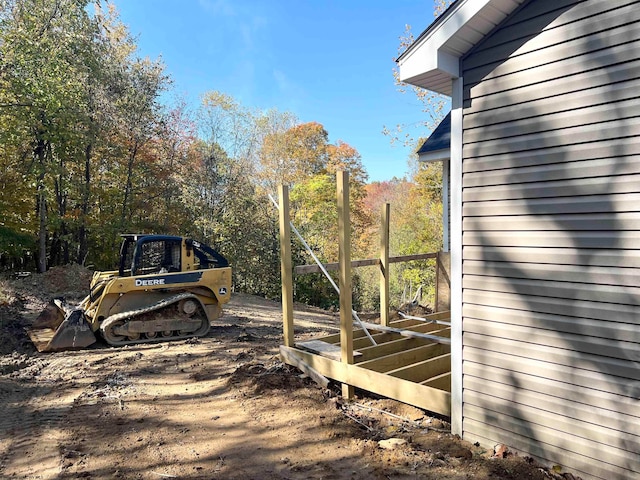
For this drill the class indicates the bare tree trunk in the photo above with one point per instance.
(56, 255)
(42, 230)
(83, 244)
(54, 249)
(41, 205)
(128, 185)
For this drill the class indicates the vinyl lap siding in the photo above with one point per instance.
(551, 236)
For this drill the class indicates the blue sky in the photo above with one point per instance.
(325, 61)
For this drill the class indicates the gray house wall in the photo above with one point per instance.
(551, 236)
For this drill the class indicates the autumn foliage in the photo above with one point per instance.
(88, 151)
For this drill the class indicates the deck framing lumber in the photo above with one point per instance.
(369, 262)
(396, 360)
(424, 370)
(391, 347)
(442, 382)
(286, 264)
(344, 277)
(422, 396)
(384, 265)
(305, 368)
(408, 360)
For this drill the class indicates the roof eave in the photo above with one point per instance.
(432, 61)
(435, 156)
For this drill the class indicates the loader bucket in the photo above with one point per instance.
(73, 333)
(52, 315)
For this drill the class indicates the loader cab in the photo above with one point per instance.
(205, 256)
(149, 254)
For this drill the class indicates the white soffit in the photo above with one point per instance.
(436, 156)
(431, 62)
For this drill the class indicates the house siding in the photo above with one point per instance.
(551, 236)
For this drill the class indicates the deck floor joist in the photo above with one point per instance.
(413, 370)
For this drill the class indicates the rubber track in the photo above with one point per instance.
(156, 306)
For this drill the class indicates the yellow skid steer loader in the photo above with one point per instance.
(166, 288)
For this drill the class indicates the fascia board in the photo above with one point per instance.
(435, 156)
(430, 53)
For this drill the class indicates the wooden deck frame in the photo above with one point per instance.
(417, 394)
(411, 361)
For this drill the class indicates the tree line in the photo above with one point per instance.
(89, 150)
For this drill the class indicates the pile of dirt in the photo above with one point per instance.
(23, 296)
(68, 281)
(258, 379)
(13, 337)
(414, 309)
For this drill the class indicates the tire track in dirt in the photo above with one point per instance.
(31, 429)
(36, 431)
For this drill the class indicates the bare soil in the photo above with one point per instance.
(219, 407)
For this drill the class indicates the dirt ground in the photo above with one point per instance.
(219, 407)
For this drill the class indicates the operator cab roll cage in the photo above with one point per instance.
(135, 260)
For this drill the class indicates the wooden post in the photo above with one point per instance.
(384, 265)
(443, 282)
(344, 283)
(286, 265)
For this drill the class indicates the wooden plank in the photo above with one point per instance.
(364, 342)
(396, 360)
(421, 371)
(384, 265)
(285, 265)
(443, 284)
(394, 346)
(380, 338)
(335, 338)
(333, 267)
(443, 315)
(344, 278)
(441, 382)
(405, 323)
(421, 396)
(357, 334)
(304, 367)
(325, 349)
(409, 333)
